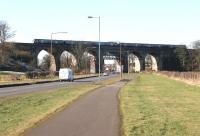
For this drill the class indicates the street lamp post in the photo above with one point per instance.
(120, 58)
(1, 36)
(52, 37)
(99, 43)
(128, 61)
(121, 69)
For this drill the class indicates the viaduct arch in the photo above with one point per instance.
(132, 54)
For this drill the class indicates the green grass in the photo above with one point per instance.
(1, 73)
(21, 112)
(153, 105)
(18, 113)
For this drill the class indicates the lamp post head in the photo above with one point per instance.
(94, 17)
(59, 33)
(90, 16)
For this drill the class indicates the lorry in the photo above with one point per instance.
(66, 74)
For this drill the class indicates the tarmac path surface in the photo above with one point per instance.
(96, 114)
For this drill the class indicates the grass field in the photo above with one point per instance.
(153, 105)
(21, 112)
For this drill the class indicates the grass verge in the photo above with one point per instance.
(153, 105)
(19, 113)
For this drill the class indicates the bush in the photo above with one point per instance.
(37, 74)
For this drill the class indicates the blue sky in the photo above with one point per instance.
(145, 21)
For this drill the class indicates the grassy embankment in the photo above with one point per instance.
(7, 77)
(154, 105)
(13, 78)
(18, 113)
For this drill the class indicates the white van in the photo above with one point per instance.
(66, 74)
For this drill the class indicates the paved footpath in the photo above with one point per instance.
(96, 114)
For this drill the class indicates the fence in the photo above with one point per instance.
(195, 76)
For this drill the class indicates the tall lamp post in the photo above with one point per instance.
(99, 44)
(128, 61)
(121, 69)
(1, 36)
(52, 37)
(120, 58)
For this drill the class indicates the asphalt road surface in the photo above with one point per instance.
(96, 114)
(10, 91)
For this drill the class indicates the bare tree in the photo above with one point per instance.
(5, 32)
(182, 57)
(6, 49)
(196, 55)
(196, 44)
(66, 61)
(46, 63)
(78, 51)
(87, 62)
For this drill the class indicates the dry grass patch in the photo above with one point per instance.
(155, 105)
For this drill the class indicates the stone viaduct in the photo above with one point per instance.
(164, 54)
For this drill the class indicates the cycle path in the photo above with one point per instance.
(96, 114)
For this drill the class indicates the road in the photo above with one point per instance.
(96, 114)
(10, 91)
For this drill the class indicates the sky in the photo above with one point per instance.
(136, 21)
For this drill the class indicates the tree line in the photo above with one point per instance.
(188, 59)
